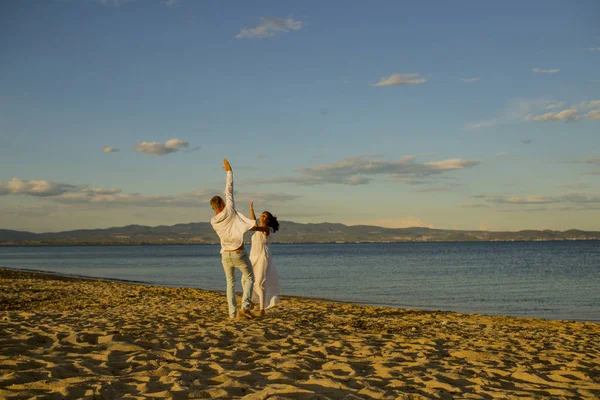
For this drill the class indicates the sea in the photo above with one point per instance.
(551, 280)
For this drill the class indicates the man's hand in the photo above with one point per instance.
(226, 165)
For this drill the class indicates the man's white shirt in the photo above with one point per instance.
(229, 224)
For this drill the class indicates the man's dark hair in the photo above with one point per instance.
(217, 203)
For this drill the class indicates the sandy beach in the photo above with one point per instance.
(63, 337)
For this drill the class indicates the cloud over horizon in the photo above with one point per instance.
(401, 80)
(358, 170)
(552, 106)
(569, 114)
(469, 80)
(160, 149)
(35, 188)
(570, 201)
(114, 3)
(545, 70)
(514, 110)
(525, 109)
(269, 27)
(594, 114)
(109, 149)
(69, 194)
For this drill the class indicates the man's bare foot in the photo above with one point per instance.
(246, 314)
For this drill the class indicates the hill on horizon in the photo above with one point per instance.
(290, 232)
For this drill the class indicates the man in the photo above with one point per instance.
(231, 226)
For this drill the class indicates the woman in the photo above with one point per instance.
(266, 283)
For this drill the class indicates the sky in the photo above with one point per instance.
(471, 115)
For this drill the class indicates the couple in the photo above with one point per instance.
(258, 270)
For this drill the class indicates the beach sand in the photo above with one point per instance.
(65, 337)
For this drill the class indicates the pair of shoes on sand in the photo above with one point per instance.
(255, 306)
(246, 313)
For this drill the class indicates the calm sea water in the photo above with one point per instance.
(554, 280)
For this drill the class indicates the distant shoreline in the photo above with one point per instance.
(28, 244)
(289, 233)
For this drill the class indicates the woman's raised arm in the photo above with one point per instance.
(252, 216)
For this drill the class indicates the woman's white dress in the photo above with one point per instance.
(266, 282)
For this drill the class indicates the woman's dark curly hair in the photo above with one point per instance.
(272, 221)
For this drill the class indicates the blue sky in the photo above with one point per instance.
(459, 115)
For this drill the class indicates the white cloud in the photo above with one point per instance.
(521, 199)
(593, 103)
(400, 80)
(469, 80)
(592, 49)
(502, 154)
(567, 115)
(514, 110)
(35, 188)
(358, 170)
(552, 106)
(544, 71)
(99, 191)
(108, 149)
(114, 3)
(269, 27)
(594, 114)
(563, 202)
(589, 104)
(160, 149)
(169, 3)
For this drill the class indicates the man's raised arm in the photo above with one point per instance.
(229, 202)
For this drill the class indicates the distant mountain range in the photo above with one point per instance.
(290, 232)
